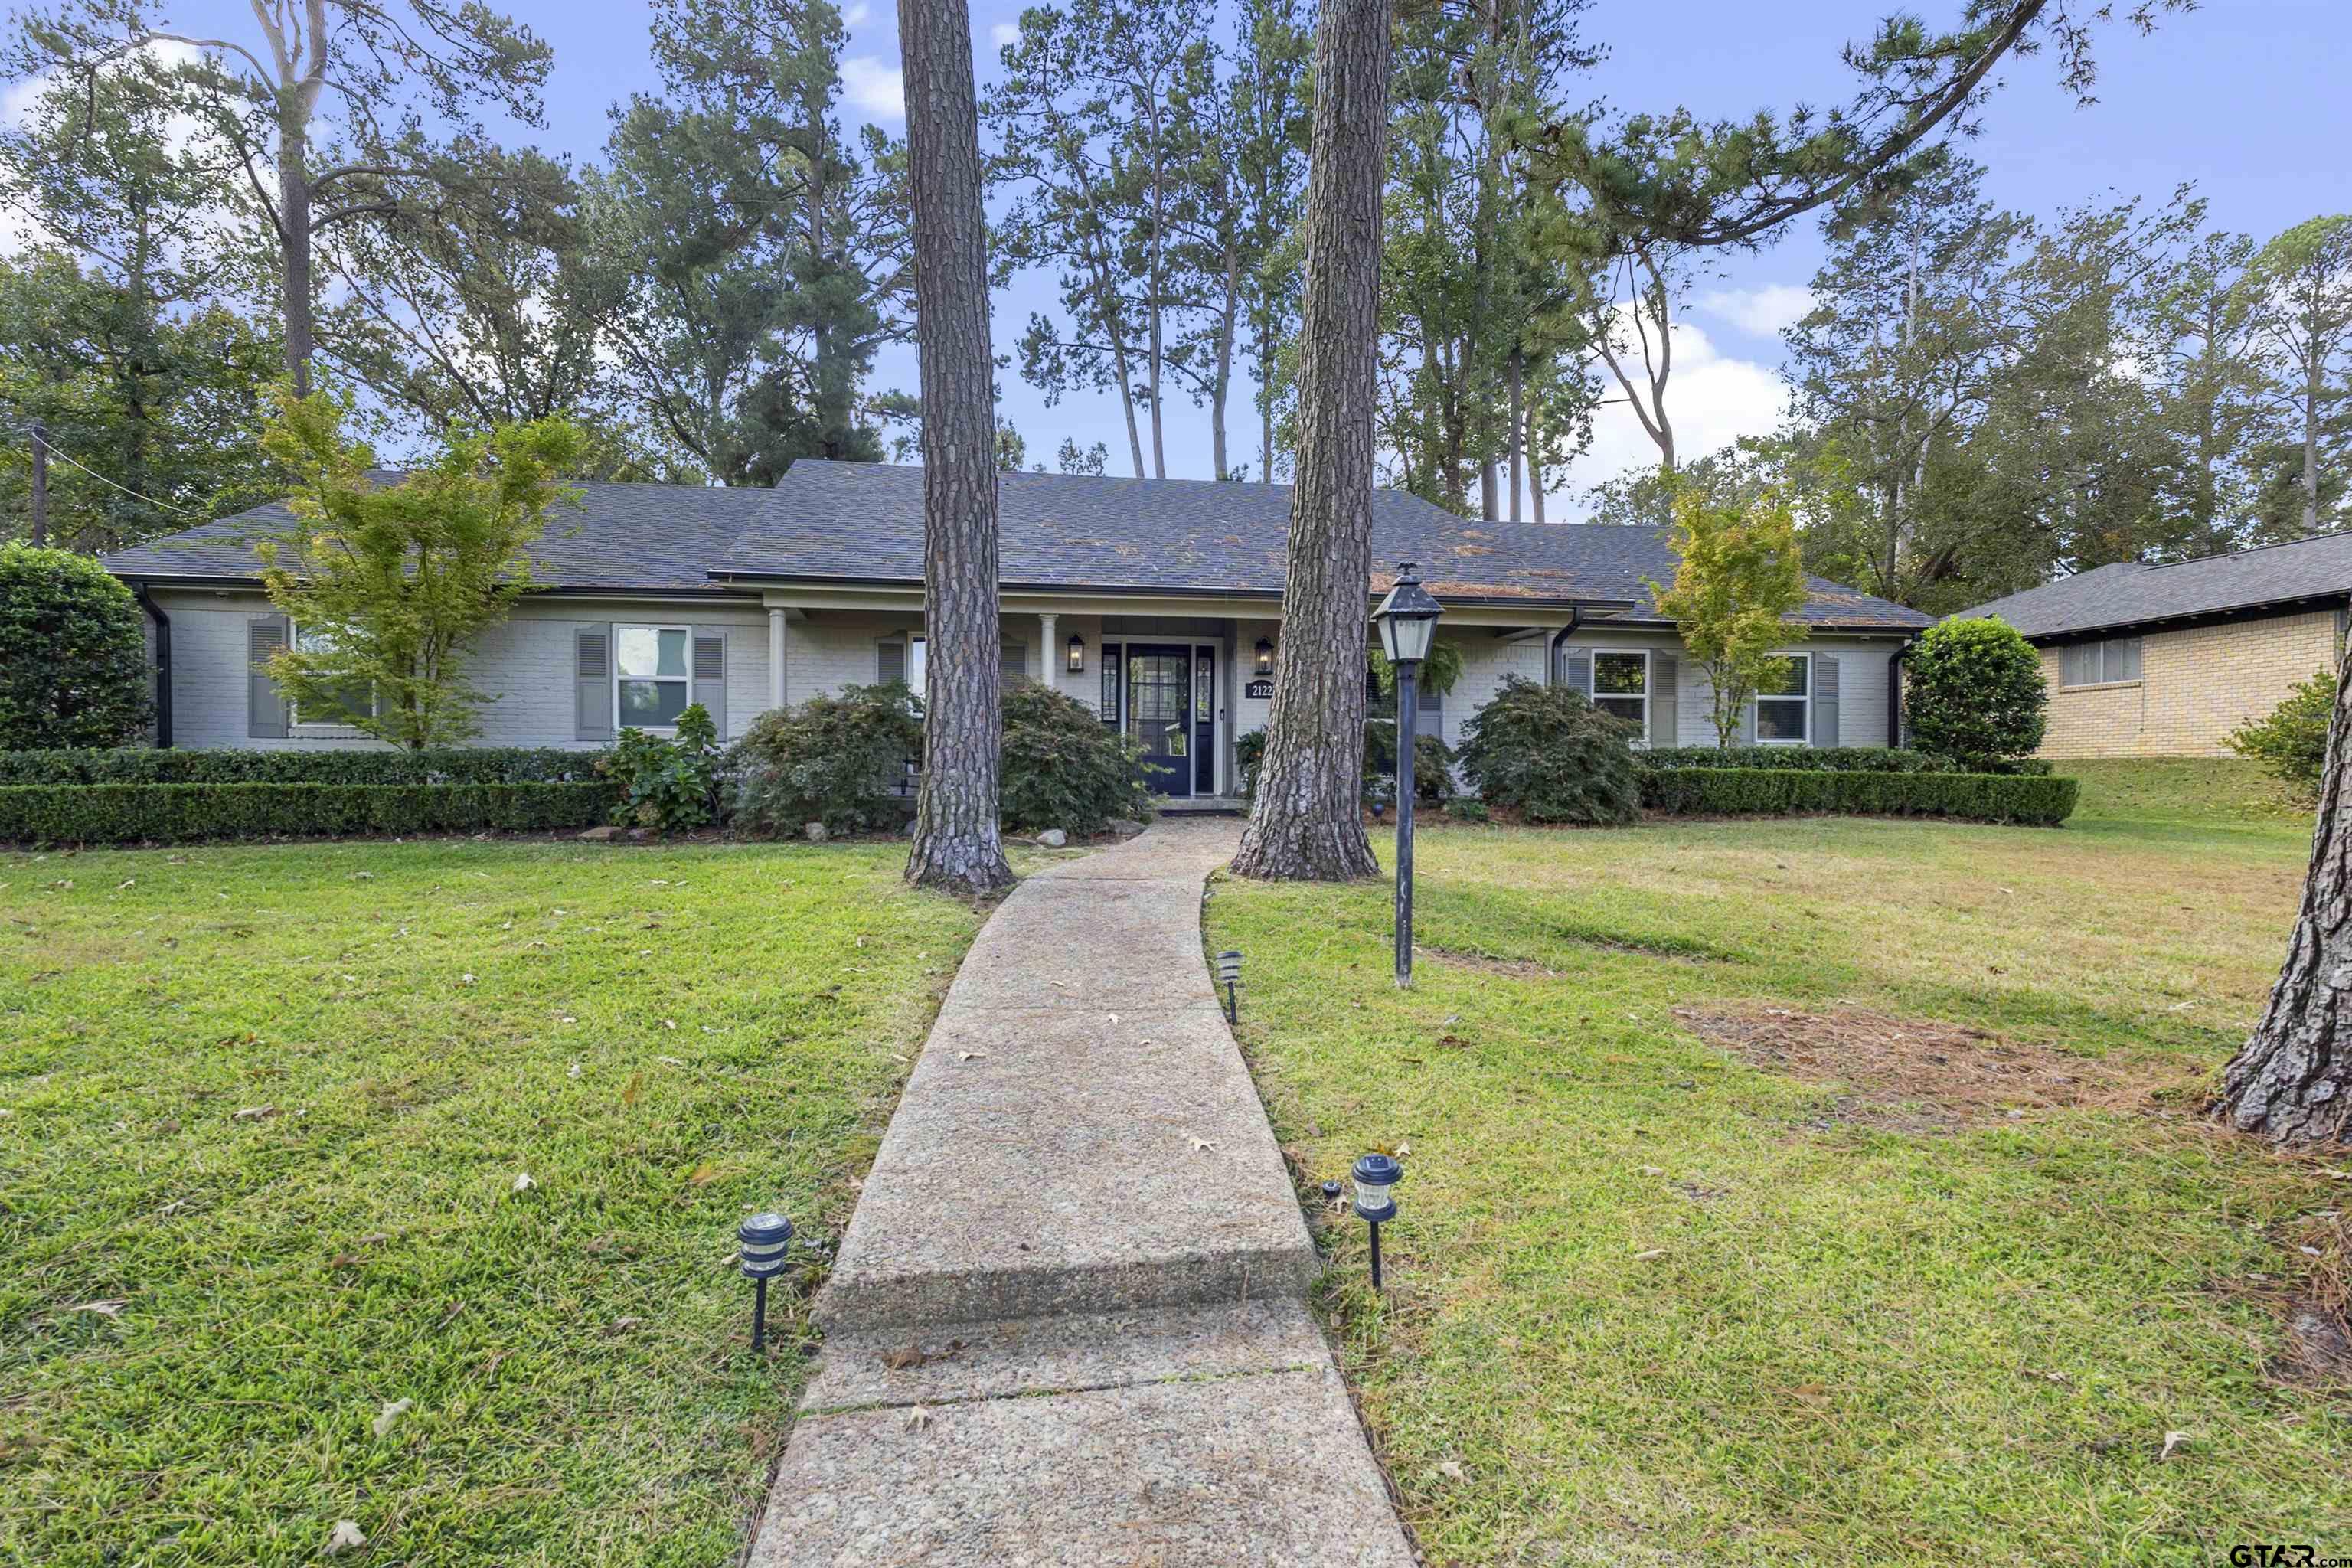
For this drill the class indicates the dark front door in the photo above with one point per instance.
(1160, 714)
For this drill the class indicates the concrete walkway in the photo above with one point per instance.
(1067, 1324)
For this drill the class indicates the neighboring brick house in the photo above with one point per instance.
(1155, 602)
(2166, 661)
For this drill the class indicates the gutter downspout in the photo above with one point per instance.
(162, 665)
(1551, 663)
(1894, 690)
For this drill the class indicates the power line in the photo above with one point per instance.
(50, 447)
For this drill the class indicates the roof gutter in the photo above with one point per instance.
(163, 663)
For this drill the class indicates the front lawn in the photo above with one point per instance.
(398, 1184)
(1823, 1190)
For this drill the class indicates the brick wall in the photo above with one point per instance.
(2195, 686)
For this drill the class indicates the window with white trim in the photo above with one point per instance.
(915, 666)
(1784, 701)
(652, 678)
(339, 712)
(2103, 663)
(1621, 684)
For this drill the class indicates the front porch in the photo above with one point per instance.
(1185, 678)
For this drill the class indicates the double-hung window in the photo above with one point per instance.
(1784, 701)
(1621, 684)
(2100, 663)
(339, 711)
(652, 675)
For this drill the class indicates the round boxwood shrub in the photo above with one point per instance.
(1064, 767)
(73, 656)
(834, 760)
(1547, 753)
(1974, 693)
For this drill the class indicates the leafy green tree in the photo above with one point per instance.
(73, 653)
(1973, 691)
(149, 413)
(750, 258)
(388, 585)
(325, 100)
(2302, 282)
(1737, 580)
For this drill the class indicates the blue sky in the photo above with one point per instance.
(2244, 97)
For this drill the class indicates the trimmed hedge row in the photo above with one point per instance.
(455, 764)
(172, 813)
(2034, 800)
(1821, 759)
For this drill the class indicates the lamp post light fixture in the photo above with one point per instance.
(1408, 623)
(1077, 654)
(766, 1239)
(1229, 975)
(1375, 1203)
(1264, 656)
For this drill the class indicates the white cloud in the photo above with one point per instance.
(855, 15)
(1005, 34)
(874, 86)
(1766, 312)
(1711, 400)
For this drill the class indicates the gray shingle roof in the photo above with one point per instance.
(658, 538)
(864, 522)
(2132, 594)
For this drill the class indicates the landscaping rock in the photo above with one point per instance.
(1053, 838)
(1126, 826)
(815, 832)
(604, 835)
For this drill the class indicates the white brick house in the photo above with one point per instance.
(1156, 602)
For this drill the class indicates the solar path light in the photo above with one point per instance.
(1375, 1202)
(1229, 975)
(766, 1237)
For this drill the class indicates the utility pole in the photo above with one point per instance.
(40, 484)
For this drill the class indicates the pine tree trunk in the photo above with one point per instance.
(957, 846)
(2292, 1081)
(1306, 821)
(294, 210)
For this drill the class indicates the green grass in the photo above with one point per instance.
(279, 1103)
(1652, 1304)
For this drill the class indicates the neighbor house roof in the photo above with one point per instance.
(863, 522)
(645, 537)
(2306, 571)
(854, 523)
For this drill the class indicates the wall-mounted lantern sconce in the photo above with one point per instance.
(1077, 654)
(1264, 656)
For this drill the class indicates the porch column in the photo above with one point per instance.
(779, 629)
(1049, 667)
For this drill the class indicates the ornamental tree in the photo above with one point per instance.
(73, 656)
(1740, 578)
(1976, 694)
(389, 585)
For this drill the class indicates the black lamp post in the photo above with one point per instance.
(1375, 1203)
(766, 1237)
(1408, 623)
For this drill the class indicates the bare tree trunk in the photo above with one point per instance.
(1518, 423)
(957, 847)
(1306, 821)
(2292, 1081)
(1223, 380)
(1535, 471)
(294, 216)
